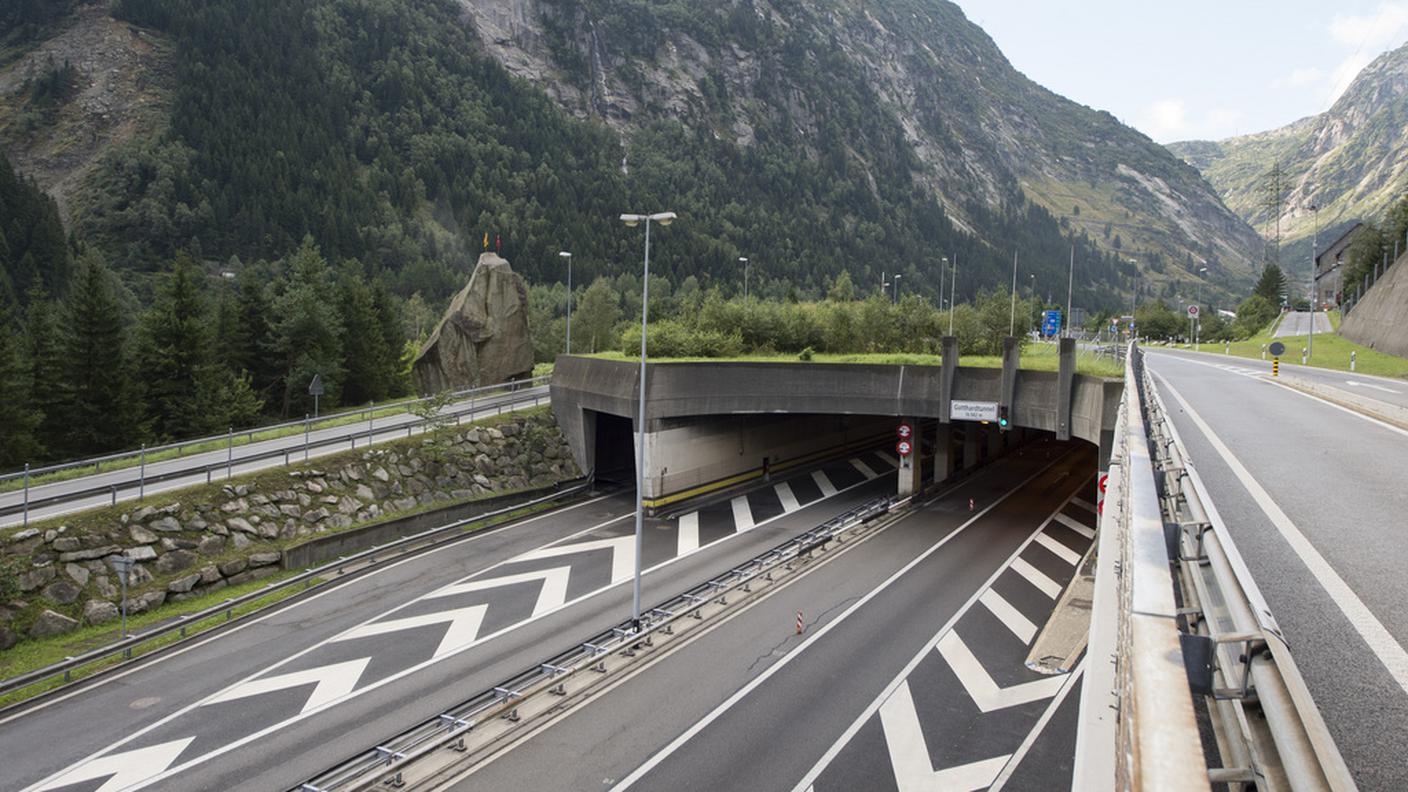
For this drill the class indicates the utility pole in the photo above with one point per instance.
(1012, 316)
(1274, 203)
(952, 294)
(1070, 289)
(1314, 246)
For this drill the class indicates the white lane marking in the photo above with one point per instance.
(688, 534)
(863, 468)
(789, 500)
(1016, 760)
(909, 753)
(1010, 617)
(1084, 504)
(742, 514)
(463, 627)
(330, 682)
(786, 660)
(623, 554)
(827, 488)
(1367, 385)
(1381, 642)
(1037, 578)
(980, 685)
(1074, 525)
(1059, 550)
(126, 768)
(893, 460)
(552, 595)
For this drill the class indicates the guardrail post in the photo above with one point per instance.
(26, 494)
(229, 452)
(142, 475)
(305, 437)
(1352, 356)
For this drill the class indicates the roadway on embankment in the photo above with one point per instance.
(271, 703)
(1299, 323)
(1315, 498)
(242, 459)
(910, 670)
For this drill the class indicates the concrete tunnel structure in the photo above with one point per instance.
(715, 425)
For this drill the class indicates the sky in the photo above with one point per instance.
(1195, 69)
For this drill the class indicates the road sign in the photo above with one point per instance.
(1277, 349)
(315, 388)
(904, 431)
(973, 411)
(1050, 323)
(1193, 311)
(1100, 499)
(904, 448)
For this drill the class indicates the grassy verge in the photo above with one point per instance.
(1331, 352)
(35, 654)
(1035, 357)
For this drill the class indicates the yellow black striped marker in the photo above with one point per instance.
(1276, 367)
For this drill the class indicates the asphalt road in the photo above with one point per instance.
(751, 705)
(1298, 323)
(241, 458)
(1384, 389)
(1332, 567)
(274, 702)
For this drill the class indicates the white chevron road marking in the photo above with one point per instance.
(742, 514)
(863, 468)
(688, 534)
(1010, 617)
(1037, 578)
(333, 681)
(623, 554)
(1059, 550)
(893, 460)
(827, 488)
(125, 769)
(1084, 504)
(1076, 525)
(464, 627)
(552, 595)
(981, 687)
(909, 753)
(788, 498)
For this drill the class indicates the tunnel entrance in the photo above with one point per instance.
(614, 457)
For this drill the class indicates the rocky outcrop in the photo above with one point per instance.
(483, 337)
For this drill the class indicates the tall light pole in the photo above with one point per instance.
(1314, 245)
(568, 256)
(943, 266)
(631, 221)
(1012, 317)
(1070, 289)
(953, 294)
(744, 261)
(896, 298)
(1196, 323)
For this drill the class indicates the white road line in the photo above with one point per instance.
(1016, 760)
(623, 554)
(909, 753)
(786, 660)
(980, 685)
(688, 534)
(552, 595)
(1084, 504)
(1076, 526)
(890, 458)
(1010, 617)
(1059, 550)
(126, 768)
(789, 501)
(1037, 578)
(1381, 642)
(1367, 385)
(823, 483)
(864, 469)
(742, 514)
(463, 628)
(330, 682)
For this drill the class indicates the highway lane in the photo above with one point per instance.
(1315, 500)
(1298, 323)
(390, 427)
(267, 706)
(751, 705)
(1384, 389)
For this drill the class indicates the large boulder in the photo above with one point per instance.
(483, 338)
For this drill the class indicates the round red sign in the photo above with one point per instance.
(904, 448)
(904, 431)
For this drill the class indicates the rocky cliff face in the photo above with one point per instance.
(1351, 161)
(483, 338)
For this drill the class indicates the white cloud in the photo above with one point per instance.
(1169, 119)
(1299, 78)
(1369, 34)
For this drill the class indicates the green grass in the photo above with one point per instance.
(1035, 357)
(1331, 352)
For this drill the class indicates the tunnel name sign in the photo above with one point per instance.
(972, 411)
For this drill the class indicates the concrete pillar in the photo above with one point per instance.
(1065, 387)
(970, 447)
(1011, 360)
(947, 374)
(911, 478)
(943, 452)
(995, 441)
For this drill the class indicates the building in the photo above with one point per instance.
(1328, 269)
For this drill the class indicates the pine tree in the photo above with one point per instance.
(250, 347)
(44, 342)
(305, 331)
(393, 338)
(177, 358)
(364, 354)
(100, 407)
(1271, 285)
(18, 442)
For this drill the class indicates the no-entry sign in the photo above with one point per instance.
(1100, 499)
(904, 448)
(904, 431)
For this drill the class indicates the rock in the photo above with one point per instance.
(138, 576)
(290, 510)
(140, 535)
(79, 574)
(240, 524)
(34, 578)
(269, 530)
(28, 533)
(100, 611)
(240, 541)
(211, 545)
(143, 513)
(7, 638)
(313, 487)
(241, 490)
(166, 524)
(66, 544)
(146, 602)
(142, 553)
(233, 567)
(304, 500)
(62, 592)
(235, 506)
(51, 623)
(483, 338)
(511, 429)
(348, 505)
(264, 559)
(483, 481)
(328, 500)
(105, 587)
(208, 575)
(316, 515)
(493, 434)
(183, 584)
(380, 474)
(219, 529)
(404, 504)
(175, 561)
(85, 555)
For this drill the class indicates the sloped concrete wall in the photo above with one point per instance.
(1380, 320)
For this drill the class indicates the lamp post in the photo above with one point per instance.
(1198, 301)
(631, 221)
(896, 298)
(1314, 244)
(1070, 290)
(744, 261)
(952, 293)
(1012, 317)
(568, 256)
(943, 265)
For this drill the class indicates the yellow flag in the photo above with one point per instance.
(486, 240)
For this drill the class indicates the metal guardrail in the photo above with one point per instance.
(447, 730)
(434, 537)
(1176, 616)
(142, 480)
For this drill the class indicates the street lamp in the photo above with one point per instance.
(953, 294)
(568, 256)
(1314, 244)
(1196, 323)
(744, 261)
(896, 298)
(631, 221)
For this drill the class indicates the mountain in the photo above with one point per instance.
(1351, 161)
(814, 136)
